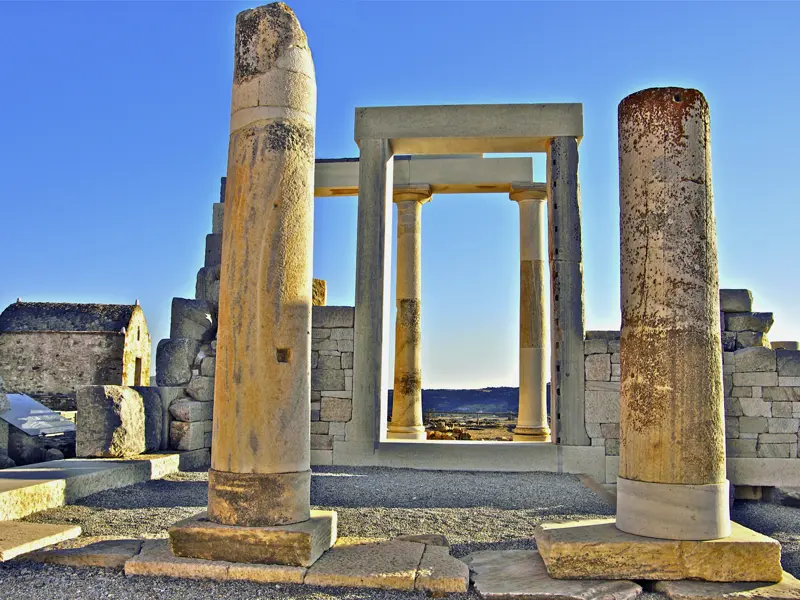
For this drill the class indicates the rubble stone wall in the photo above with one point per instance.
(761, 384)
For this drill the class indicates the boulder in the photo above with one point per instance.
(53, 454)
(111, 422)
(193, 319)
(174, 360)
(735, 301)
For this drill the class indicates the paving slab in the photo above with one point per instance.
(438, 572)
(430, 539)
(18, 538)
(787, 588)
(596, 549)
(372, 564)
(521, 574)
(105, 553)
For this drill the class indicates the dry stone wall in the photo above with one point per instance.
(761, 383)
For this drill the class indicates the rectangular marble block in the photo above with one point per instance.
(596, 549)
(299, 544)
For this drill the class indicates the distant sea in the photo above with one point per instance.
(484, 400)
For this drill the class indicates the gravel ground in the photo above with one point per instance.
(476, 511)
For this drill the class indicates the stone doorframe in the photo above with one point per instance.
(382, 132)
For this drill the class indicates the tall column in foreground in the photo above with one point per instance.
(260, 466)
(407, 395)
(672, 432)
(532, 416)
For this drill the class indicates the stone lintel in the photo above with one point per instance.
(596, 549)
(300, 544)
(527, 191)
(412, 192)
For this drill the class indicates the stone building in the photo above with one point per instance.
(49, 349)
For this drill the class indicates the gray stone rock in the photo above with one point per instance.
(328, 380)
(788, 363)
(595, 347)
(24, 449)
(153, 417)
(332, 316)
(201, 388)
(207, 281)
(754, 359)
(208, 366)
(217, 217)
(110, 422)
(781, 394)
(213, 249)
(53, 454)
(186, 436)
(6, 462)
(728, 341)
(174, 359)
(193, 319)
(190, 411)
(735, 301)
(598, 367)
(777, 450)
(741, 448)
(751, 339)
(750, 321)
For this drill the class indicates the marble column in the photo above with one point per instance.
(260, 465)
(672, 431)
(532, 416)
(407, 396)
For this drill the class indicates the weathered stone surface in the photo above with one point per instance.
(788, 588)
(319, 292)
(595, 347)
(733, 408)
(522, 574)
(731, 427)
(597, 549)
(186, 436)
(754, 360)
(157, 559)
(321, 442)
(752, 424)
(300, 544)
(207, 286)
(332, 316)
(608, 335)
(785, 345)
(208, 366)
(743, 448)
(213, 250)
(174, 360)
(336, 409)
(106, 553)
(755, 407)
(749, 321)
(4, 403)
(18, 537)
(266, 573)
(356, 562)
(781, 394)
(327, 379)
(602, 407)
(598, 367)
(191, 410)
(783, 425)
(777, 450)
(729, 341)
(192, 319)
(53, 454)
(431, 539)
(750, 339)
(735, 301)
(153, 417)
(788, 363)
(755, 379)
(438, 572)
(111, 422)
(201, 388)
(782, 410)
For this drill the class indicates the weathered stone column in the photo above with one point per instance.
(260, 466)
(532, 416)
(407, 395)
(566, 292)
(672, 433)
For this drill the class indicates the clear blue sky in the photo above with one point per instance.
(114, 122)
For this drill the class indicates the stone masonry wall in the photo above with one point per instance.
(761, 381)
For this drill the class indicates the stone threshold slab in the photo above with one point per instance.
(33, 488)
(352, 562)
(17, 537)
(596, 549)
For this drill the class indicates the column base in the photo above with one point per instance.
(299, 544)
(531, 434)
(673, 511)
(258, 499)
(399, 432)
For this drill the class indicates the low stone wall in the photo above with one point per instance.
(761, 384)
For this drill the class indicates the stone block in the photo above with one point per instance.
(319, 428)
(731, 427)
(111, 554)
(324, 344)
(783, 425)
(266, 573)
(612, 447)
(208, 367)
(754, 360)
(321, 442)
(728, 341)
(751, 339)
(595, 548)
(320, 334)
(777, 450)
(610, 430)
(735, 301)
(364, 563)
(782, 410)
(508, 574)
(336, 409)
(755, 407)
(213, 250)
(201, 388)
(727, 358)
(613, 347)
(345, 345)
(440, 573)
(781, 394)
(186, 436)
(217, 217)
(153, 417)
(342, 333)
(602, 386)
(744, 448)
(785, 345)
(332, 316)
(602, 407)
(299, 544)
(789, 381)
(607, 335)
(322, 457)
(749, 321)
(598, 367)
(788, 363)
(742, 392)
(733, 408)
(189, 411)
(193, 320)
(174, 360)
(752, 425)
(319, 292)
(347, 360)
(156, 559)
(595, 347)
(110, 422)
(788, 588)
(329, 362)
(338, 429)
(19, 537)
(327, 379)
(593, 430)
(759, 378)
(207, 284)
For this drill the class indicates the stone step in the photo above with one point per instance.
(19, 538)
